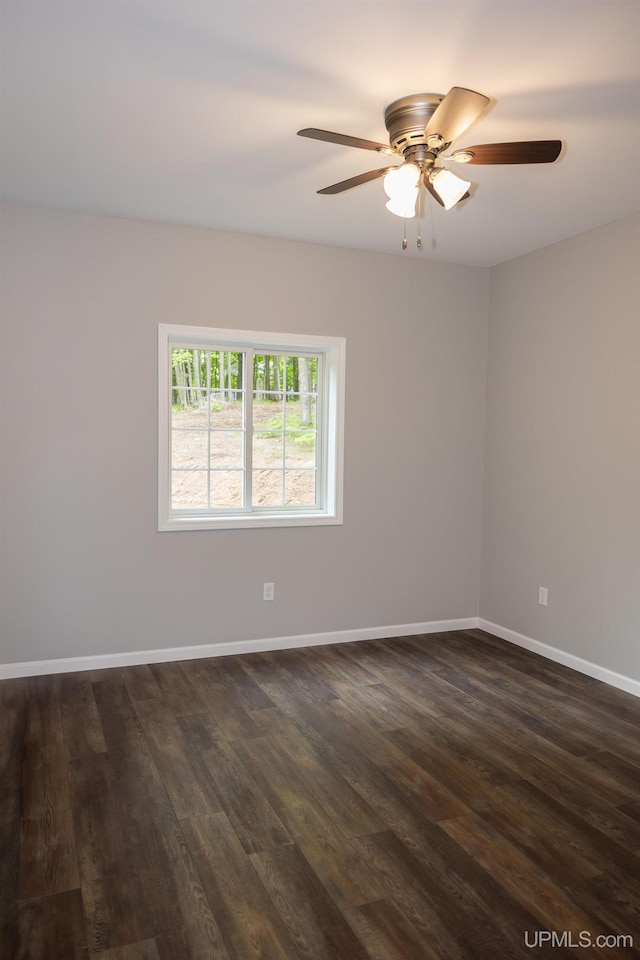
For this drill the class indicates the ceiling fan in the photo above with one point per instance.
(421, 127)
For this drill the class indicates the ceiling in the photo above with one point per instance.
(186, 112)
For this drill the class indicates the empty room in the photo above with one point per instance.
(319, 478)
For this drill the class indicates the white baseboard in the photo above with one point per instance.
(561, 656)
(37, 668)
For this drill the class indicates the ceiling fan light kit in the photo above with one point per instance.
(402, 185)
(449, 187)
(421, 127)
(403, 206)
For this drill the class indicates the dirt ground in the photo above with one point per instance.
(278, 474)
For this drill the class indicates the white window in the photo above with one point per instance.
(250, 428)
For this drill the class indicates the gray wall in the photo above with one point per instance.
(562, 479)
(84, 570)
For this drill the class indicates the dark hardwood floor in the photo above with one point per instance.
(446, 797)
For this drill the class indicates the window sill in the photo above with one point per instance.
(250, 522)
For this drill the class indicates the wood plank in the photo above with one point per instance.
(314, 923)
(254, 820)
(232, 718)
(171, 896)
(336, 796)
(109, 875)
(52, 928)
(555, 772)
(233, 674)
(465, 746)
(456, 928)
(616, 904)
(249, 926)
(631, 810)
(48, 856)
(458, 876)
(295, 665)
(144, 950)
(13, 734)
(471, 780)
(140, 682)
(179, 767)
(105, 673)
(45, 784)
(80, 718)
(572, 832)
(179, 695)
(329, 662)
(622, 772)
(283, 689)
(383, 710)
(387, 934)
(332, 856)
(499, 693)
(330, 739)
(129, 752)
(560, 700)
(547, 901)
(440, 801)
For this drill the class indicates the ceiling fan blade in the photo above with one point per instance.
(459, 109)
(519, 151)
(356, 181)
(314, 134)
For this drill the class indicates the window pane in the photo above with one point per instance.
(191, 418)
(188, 489)
(301, 435)
(226, 488)
(267, 414)
(225, 375)
(189, 449)
(267, 488)
(207, 419)
(267, 450)
(269, 377)
(300, 487)
(300, 451)
(226, 414)
(227, 449)
(302, 415)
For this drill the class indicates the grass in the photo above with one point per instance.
(305, 440)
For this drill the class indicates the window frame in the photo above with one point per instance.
(329, 438)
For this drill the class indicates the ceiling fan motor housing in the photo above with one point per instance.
(406, 119)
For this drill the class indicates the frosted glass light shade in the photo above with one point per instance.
(449, 187)
(405, 205)
(401, 179)
(401, 186)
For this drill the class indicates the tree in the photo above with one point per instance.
(305, 387)
(198, 376)
(276, 379)
(181, 370)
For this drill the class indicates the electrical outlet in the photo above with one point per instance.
(542, 596)
(268, 591)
